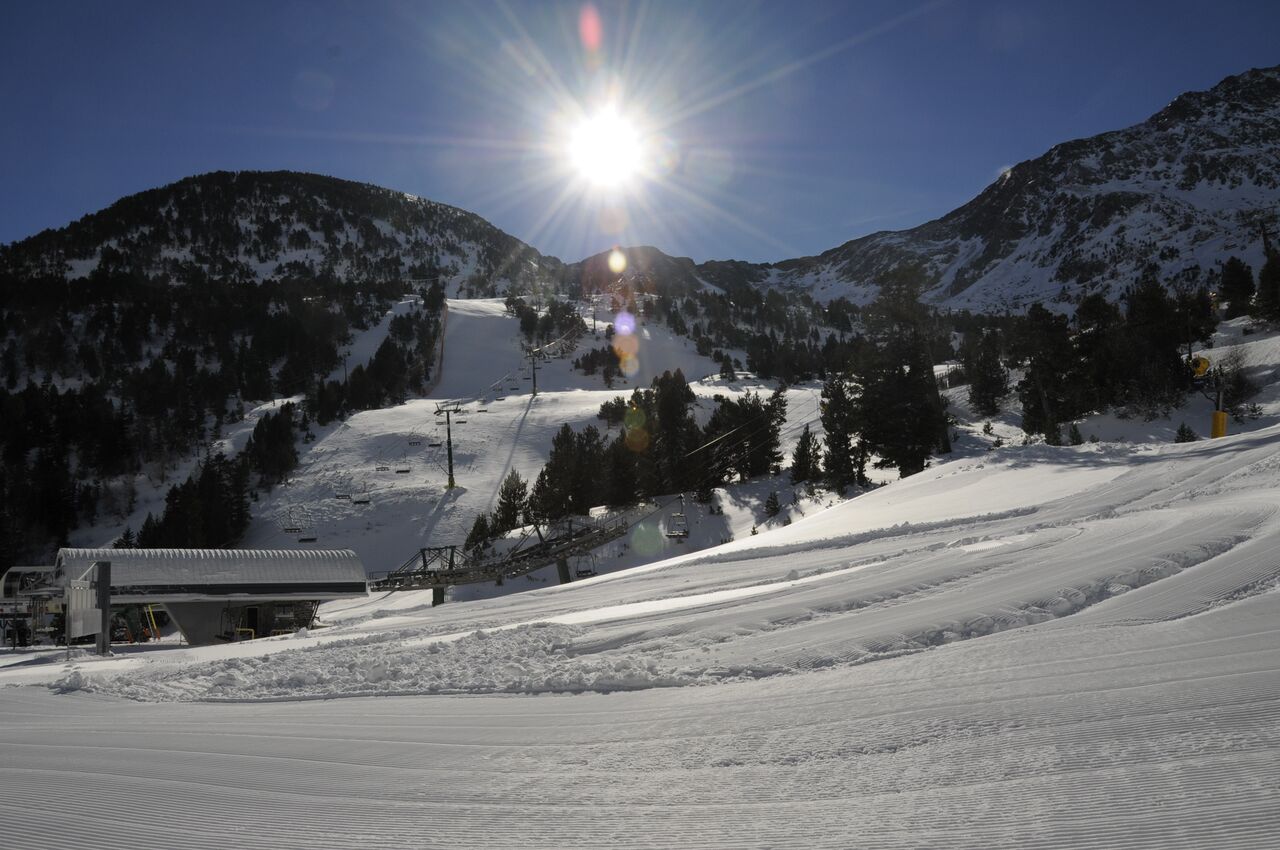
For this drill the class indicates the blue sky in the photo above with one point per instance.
(774, 130)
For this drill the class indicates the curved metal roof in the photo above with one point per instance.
(141, 567)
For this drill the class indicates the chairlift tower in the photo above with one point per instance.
(449, 409)
(533, 368)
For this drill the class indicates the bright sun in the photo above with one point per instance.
(606, 150)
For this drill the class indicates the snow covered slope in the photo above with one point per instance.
(504, 428)
(1058, 647)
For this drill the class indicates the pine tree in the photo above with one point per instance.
(125, 540)
(805, 462)
(480, 533)
(1237, 287)
(676, 433)
(620, 474)
(901, 407)
(1047, 389)
(512, 499)
(845, 460)
(1185, 434)
(149, 534)
(552, 496)
(988, 379)
(1268, 302)
(771, 505)
(1154, 335)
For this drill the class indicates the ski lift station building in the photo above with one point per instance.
(222, 594)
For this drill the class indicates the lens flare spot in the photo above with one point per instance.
(633, 418)
(637, 440)
(617, 261)
(625, 346)
(666, 155)
(590, 28)
(624, 323)
(646, 539)
(630, 365)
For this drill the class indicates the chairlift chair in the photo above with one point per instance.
(678, 524)
(382, 468)
(585, 566)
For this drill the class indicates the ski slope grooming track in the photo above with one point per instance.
(1038, 647)
(1163, 735)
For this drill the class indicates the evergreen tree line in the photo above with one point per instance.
(1243, 296)
(604, 360)
(103, 375)
(208, 510)
(402, 365)
(211, 508)
(554, 321)
(887, 403)
(659, 449)
(1132, 355)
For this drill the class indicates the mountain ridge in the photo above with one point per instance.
(1176, 193)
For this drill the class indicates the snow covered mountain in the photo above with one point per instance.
(1182, 191)
(251, 225)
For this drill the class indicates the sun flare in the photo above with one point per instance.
(606, 150)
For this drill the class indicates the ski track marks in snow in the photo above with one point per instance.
(1163, 735)
(1074, 647)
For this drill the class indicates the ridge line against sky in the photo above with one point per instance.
(771, 131)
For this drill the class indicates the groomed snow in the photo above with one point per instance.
(1072, 647)
(1023, 647)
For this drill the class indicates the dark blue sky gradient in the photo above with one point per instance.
(790, 127)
